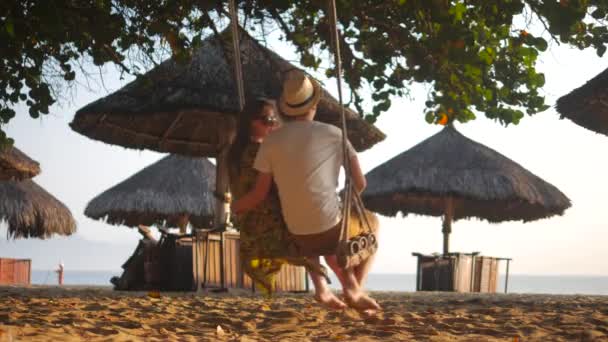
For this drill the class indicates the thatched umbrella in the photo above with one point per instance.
(185, 108)
(15, 165)
(587, 105)
(30, 211)
(174, 190)
(455, 177)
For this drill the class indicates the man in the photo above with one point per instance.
(304, 158)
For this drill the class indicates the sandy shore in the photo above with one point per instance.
(100, 314)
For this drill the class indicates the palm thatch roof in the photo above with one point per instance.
(481, 183)
(30, 211)
(587, 105)
(15, 165)
(185, 108)
(160, 193)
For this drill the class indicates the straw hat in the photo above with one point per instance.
(300, 93)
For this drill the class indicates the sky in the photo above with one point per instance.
(75, 169)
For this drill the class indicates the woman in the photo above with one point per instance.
(265, 245)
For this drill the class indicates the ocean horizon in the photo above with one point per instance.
(402, 282)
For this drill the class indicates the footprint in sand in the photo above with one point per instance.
(395, 319)
(367, 331)
(95, 307)
(63, 321)
(285, 314)
(128, 324)
(102, 331)
(5, 317)
(213, 319)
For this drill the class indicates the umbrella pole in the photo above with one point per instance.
(226, 135)
(222, 216)
(448, 216)
(220, 222)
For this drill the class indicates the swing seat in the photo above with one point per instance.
(355, 250)
(358, 240)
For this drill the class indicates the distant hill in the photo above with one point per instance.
(76, 252)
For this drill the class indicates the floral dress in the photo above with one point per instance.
(265, 244)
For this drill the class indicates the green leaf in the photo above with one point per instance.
(454, 78)
(485, 57)
(457, 11)
(488, 94)
(379, 84)
(504, 92)
(601, 49)
(9, 27)
(308, 60)
(34, 112)
(540, 44)
(539, 80)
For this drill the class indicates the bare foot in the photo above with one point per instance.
(330, 301)
(362, 303)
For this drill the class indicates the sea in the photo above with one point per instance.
(542, 284)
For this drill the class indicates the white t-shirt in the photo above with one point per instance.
(304, 158)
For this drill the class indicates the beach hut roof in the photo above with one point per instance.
(15, 165)
(159, 193)
(185, 108)
(587, 105)
(481, 182)
(30, 211)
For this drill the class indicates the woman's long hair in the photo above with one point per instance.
(253, 109)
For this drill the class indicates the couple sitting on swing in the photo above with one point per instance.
(284, 181)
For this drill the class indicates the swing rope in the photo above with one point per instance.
(348, 181)
(238, 72)
(351, 197)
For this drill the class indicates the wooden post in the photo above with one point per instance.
(221, 187)
(195, 274)
(436, 273)
(507, 276)
(447, 224)
(226, 134)
(419, 275)
(472, 277)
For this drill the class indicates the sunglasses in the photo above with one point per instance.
(268, 120)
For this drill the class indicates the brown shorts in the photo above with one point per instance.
(326, 243)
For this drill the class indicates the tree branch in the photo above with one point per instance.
(540, 18)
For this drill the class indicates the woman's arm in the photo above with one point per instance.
(255, 196)
(357, 175)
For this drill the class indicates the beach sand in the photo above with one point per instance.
(100, 314)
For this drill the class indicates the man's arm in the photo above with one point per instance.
(356, 174)
(255, 196)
